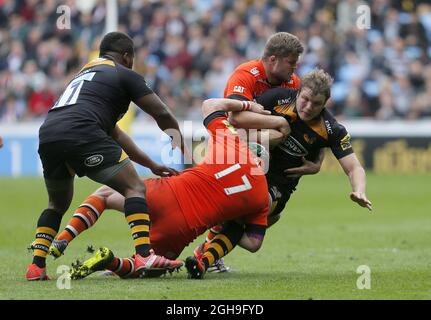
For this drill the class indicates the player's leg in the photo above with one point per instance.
(123, 267)
(126, 181)
(98, 262)
(223, 243)
(168, 230)
(105, 162)
(59, 185)
(60, 193)
(269, 138)
(104, 259)
(85, 216)
(219, 266)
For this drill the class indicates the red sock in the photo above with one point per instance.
(123, 267)
(84, 218)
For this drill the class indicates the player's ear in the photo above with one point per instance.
(128, 60)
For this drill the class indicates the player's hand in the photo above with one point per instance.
(163, 171)
(283, 127)
(1, 142)
(361, 199)
(308, 167)
(258, 108)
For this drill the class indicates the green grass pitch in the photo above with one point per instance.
(312, 253)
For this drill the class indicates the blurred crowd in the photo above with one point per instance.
(186, 50)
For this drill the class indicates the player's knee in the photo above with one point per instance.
(255, 247)
(136, 190)
(103, 192)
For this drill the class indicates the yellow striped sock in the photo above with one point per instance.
(44, 238)
(219, 246)
(139, 224)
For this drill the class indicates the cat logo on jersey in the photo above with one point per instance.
(345, 142)
(238, 89)
(229, 126)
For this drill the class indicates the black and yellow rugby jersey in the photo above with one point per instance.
(93, 102)
(306, 138)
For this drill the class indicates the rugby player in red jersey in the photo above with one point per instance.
(227, 186)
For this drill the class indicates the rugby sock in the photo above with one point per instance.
(84, 218)
(47, 227)
(222, 243)
(213, 232)
(137, 216)
(123, 267)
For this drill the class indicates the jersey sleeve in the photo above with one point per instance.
(340, 142)
(133, 83)
(215, 121)
(240, 85)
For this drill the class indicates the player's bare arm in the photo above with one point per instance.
(308, 167)
(1, 142)
(157, 109)
(139, 156)
(222, 104)
(356, 174)
(280, 124)
(273, 136)
(250, 120)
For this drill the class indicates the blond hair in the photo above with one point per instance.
(282, 44)
(319, 82)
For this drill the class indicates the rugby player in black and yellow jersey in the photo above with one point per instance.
(80, 136)
(312, 128)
